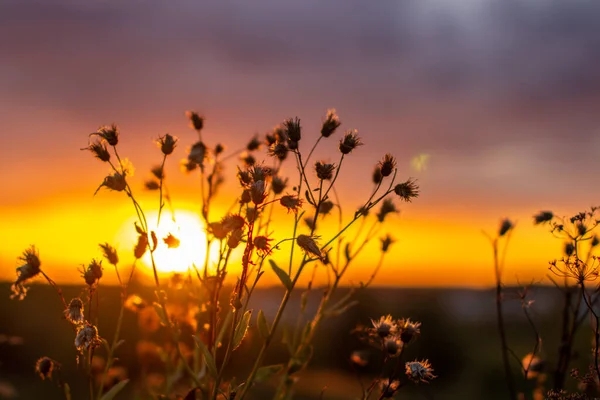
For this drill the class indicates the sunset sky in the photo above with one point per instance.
(503, 96)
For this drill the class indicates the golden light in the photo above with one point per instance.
(188, 229)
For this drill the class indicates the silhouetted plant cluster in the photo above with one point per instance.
(188, 336)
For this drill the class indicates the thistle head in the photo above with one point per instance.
(45, 366)
(349, 142)
(167, 143)
(196, 120)
(324, 170)
(74, 311)
(387, 165)
(385, 326)
(109, 133)
(419, 371)
(87, 337)
(330, 124)
(407, 190)
(25, 272)
(292, 203)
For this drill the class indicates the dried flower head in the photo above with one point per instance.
(196, 121)
(87, 337)
(293, 129)
(324, 170)
(233, 221)
(99, 150)
(254, 143)
(392, 345)
(385, 326)
(171, 241)
(235, 237)
(386, 242)
(330, 124)
(309, 245)
(248, 160)
(114, 182)
(262, 245)
(407, 190)
(349, 142)
(260, 173)
(419, 371)
(543, 217)
(30, 269)
(387, 207)
(278, 150)
(377, 177)
(258, 193)
(167, 144)
(387, 165)
(108, 133)
(151, 185)
(389, 388)
(278, 184)
(74, 312)
(93, 272)
(292, 203)
(44, 367)
(408, 330)
(141, 245)
(198, 153)
(325, 207)
(505, 226)
(110, 253)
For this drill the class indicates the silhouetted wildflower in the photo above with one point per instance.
(324, 170)
(349, 142)
(196, 121)
(110, 253)
(25, 272)
(330, 124)
(407, 190)
(167, 144)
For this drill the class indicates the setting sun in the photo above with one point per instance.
(191, 249)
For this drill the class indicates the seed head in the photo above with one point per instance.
(235, 237)
(325, 207)
(419, 371)
(140, 246)
(543, 217)
(93, 272)
(407, 190)
(114, 182)
(278, 184)
(171, 241)
(253, 144)
(389, 388)
(581, 228)
(74, 312)
(385, 326)
(198, 153)
(330, 124)
(293, 129)
(25, 272)
(569, 249)
(110, 253)
(87, 337)
(219, 148)
(99, 151)
(408, 330)
(262, 245)
(44, 367)
(387, 165)
(292, 203)
(167, 143)
(260, 173)
(349, 142)
(233, 221)
(505, 226)
(258, 193)
(152, 185)
(278, 150)
(387, 206)
(377, 177)
(392, 345)
(324, 171)
(386, 242)
(108, 133)
(196, 121)
(309, 245)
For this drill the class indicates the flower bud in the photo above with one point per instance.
(167, 144)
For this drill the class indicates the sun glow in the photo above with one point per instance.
(188, 229)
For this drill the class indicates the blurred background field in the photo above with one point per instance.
(459, 336)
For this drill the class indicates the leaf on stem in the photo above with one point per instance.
(263, 326)
(115, 390)
(208, 358)
(264, 373)
(241, 329)
(282, 275)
